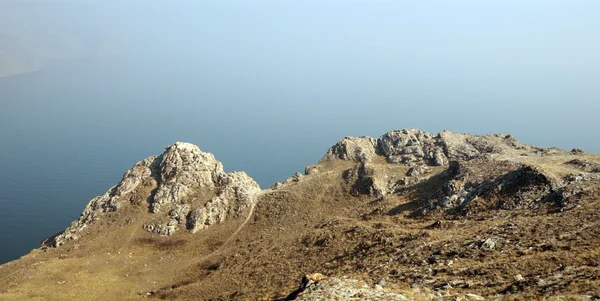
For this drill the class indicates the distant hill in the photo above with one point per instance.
(35, 32)
(15, 58)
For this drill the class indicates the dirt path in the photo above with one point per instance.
(254, 201)
(239, 228)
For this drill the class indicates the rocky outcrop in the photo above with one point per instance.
(411, 145)
(398, 146)
(345, 289)
(183, 170)
(416, 146)
(417, 170)
(365, 180)
(235, 193)
(466, 190)
(109, 201)
(311, 170)
(584, 165)
(297, 177)
(361, 149)
(183, 186)
(307, 281)
(467, 147)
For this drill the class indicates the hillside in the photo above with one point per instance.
(406, 216)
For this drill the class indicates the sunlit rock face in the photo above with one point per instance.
(183, 188)
(407, 146)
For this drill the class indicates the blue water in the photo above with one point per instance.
(69, 131)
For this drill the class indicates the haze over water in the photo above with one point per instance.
(268, 87)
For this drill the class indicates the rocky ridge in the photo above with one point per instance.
(182, 188)
(410, 146)
(410, 214)
(505, 182)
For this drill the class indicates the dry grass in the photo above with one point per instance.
(315, 226)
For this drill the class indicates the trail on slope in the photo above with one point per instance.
(239, 228)
(254, 201)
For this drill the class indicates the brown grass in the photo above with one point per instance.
(315, 226)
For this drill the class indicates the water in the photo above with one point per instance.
(69, 131)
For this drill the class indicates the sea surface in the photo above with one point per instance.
(69, 131)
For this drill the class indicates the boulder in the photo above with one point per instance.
(297, 177)
(361, 149)
(416, 170)
(311, 170)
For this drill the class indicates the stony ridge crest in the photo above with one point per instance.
(183, 187)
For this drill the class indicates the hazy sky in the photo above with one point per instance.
(527, 67)
(505, 38)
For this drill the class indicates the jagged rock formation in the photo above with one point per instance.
(365, 180)
(183, 186)
(524, 186)
(108, 202)
(404, 146)
(420, 150)
(360, 149)
(412, 145)
(467, 188)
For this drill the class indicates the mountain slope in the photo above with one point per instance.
(407, 215)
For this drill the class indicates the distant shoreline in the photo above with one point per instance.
(4, 76)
